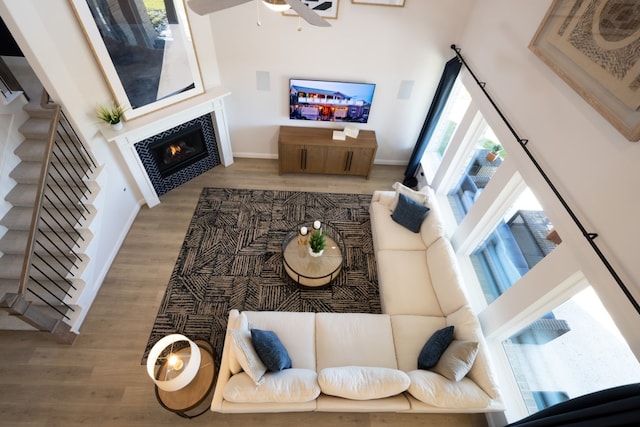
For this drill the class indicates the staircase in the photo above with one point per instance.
(43, 251)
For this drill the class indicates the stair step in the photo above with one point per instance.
(27, 172)
(24, 195)
(58, 289)
(11, 267)
(31, 150)
(18, 218)
(35, 110)
(15, 241)
(36, 128)
(8, 285)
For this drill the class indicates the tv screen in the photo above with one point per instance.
(330, 101)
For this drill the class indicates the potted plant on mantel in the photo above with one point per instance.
(317, 243)
(494, 153)
(111, 114)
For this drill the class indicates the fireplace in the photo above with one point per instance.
(179, 154)
(134, 142)
(180, 150)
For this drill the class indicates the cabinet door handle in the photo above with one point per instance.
(305, 159)
(349, 160)
(302, 158)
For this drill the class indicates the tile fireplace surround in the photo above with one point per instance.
(144, 127)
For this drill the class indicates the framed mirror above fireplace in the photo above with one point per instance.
(144, 49)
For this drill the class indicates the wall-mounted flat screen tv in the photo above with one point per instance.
(330, 101)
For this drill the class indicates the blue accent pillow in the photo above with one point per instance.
(270, 350)
(409, 213)
(434, 347)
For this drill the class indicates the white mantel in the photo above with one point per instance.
(158, 121)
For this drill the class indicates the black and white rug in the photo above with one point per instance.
(232, 258)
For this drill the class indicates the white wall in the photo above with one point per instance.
(593, 166)
(377, 44)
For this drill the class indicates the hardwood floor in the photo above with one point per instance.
(99, 380)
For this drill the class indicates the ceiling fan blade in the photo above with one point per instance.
(307, 13)
(205, 7)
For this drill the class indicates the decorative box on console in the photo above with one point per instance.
(169, 147)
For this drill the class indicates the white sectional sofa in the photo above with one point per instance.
(343, 362)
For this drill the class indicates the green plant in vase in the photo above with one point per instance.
(496, 151)
(317, 243)
(111, 114)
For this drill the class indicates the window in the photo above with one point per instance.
(520, 240)
(477, 170)
(450, 120)
(501, 233)
(574, 350)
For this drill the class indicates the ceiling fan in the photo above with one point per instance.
(204, 7)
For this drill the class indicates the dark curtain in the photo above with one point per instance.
(614, 407)
(451, 71)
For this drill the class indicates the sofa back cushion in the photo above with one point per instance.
(467, 328)
(432, 227)
(388, 234)
(410, 333)
(445, 276)
(405, 283)
(354, 339)
(296, 332)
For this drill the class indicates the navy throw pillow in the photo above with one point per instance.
(409, 213)
(434, 347)
(270, 350)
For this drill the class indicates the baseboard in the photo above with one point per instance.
(266, 156)
(86, 299)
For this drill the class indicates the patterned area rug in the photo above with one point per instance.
(232, 258)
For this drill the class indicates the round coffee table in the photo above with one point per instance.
(308, 271)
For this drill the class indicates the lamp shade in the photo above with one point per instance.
(186, 370)
(276, 5)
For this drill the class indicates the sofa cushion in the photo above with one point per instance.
(409, 335)
(397, 403)
(405, 283)
(434, 347)
(436, 390)
(409, 213)
(362, 382)
(247, 355)
(287, 386)
(271, 351)
(354, 339)
(432, 227)
(421, 196)
(388, 234)
(467, 328)
(445, 276)
(234, 364)
(457, 360)
(296, 331)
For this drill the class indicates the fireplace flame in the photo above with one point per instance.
(175, 149)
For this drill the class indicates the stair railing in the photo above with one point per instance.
(58, 208)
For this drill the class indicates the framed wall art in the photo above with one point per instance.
(144, 50)
(326, 8)
(593, 46)
(397, 3)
